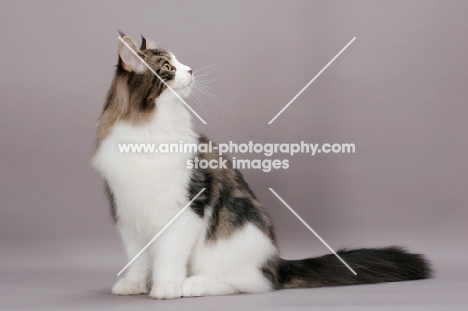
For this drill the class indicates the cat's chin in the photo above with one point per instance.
(184, 92)
(185, 88)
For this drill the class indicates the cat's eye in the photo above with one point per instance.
(167, 67)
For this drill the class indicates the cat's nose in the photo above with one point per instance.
(190, 71)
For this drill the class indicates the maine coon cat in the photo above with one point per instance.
(225, 242)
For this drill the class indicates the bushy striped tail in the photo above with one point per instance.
(372, 265)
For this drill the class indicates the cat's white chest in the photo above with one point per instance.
(149, 188)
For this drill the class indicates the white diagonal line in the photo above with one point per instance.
(162, 80)
(312, 230)
(307, 85)
(162, 230)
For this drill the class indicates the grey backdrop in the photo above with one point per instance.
(399, 93)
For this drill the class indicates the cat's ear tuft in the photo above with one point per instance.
(130, 61)
(143, 43)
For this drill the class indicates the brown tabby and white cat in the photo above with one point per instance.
(225, 242)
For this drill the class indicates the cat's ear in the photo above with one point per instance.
(151, 45)
(130, 61)
(147, 44)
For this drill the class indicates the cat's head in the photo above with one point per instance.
(141, 81)
(135, 89)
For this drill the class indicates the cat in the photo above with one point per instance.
(224, 243)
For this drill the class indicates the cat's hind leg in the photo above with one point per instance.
(230, 265)
(196, 286)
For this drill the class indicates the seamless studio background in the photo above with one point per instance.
(399, 93)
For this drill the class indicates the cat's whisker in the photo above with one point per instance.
(198, 98)
(170, 31)
(205, 68)
(203, 85)
(204, 82)
(170, 47)
(201, 89)
(203, 75)
(204, 78)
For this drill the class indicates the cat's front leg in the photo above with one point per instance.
(171, 254)
(137, 275)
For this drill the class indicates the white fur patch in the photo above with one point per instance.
(236, 261)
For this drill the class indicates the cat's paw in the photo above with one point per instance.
(126, 287)
(166, 290)
(193, 287)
